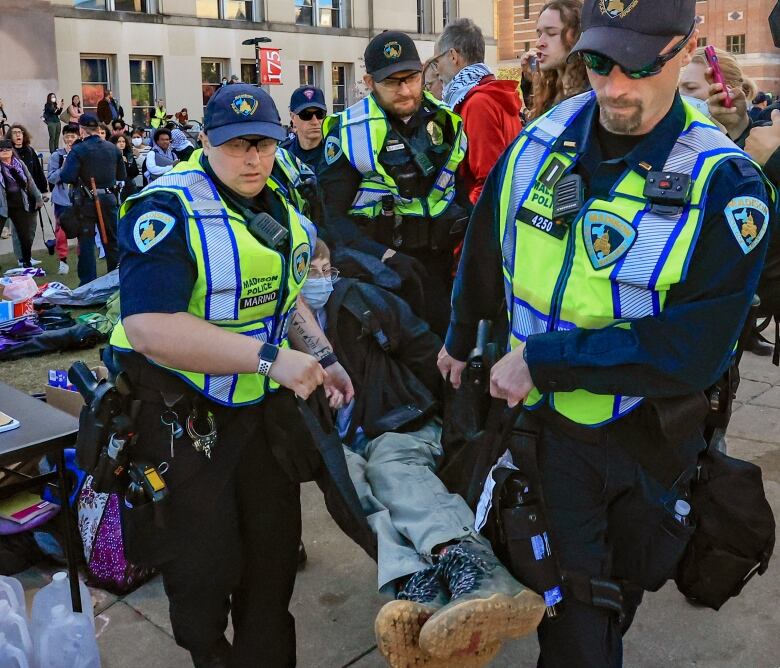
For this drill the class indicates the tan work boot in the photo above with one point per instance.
(487, 605)
(397, 626)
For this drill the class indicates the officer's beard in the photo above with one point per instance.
(620, 123)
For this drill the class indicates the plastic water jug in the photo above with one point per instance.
(14, 627)
(68, 641)
(10, 656)
(11, 590)
(57, 592)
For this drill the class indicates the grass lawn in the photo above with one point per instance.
(30, 374)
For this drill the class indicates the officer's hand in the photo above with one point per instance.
(338, 386)
(762, 142)
(735, 119)
(450, 368)
(39, 203)
(297, 371)
(510, 378)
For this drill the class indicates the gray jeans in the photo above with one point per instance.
(406, 504)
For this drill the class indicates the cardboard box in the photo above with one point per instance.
(70, 401)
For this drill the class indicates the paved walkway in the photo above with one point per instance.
(335, 598)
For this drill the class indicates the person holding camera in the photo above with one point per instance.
(388, 182)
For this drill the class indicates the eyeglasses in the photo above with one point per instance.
(331, 273)
(602, 65)
(395, 82)
(308, 114)
(434, 62)
(239, 147)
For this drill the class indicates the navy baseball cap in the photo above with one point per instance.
(390, 52)
(307, 97)
(633, 32)
(240, 110)
(88, 121)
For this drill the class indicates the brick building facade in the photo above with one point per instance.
(739, 26)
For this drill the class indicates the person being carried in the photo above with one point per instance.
(455, 603)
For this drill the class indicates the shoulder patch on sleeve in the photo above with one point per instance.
(748, 219)
(332, 150)
(151, 228)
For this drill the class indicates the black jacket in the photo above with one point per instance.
(390, 357)
(29, 157)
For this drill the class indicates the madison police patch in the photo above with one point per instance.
(748, 218)
(151, 228)
(607, 238)
(332, 150)
(300, 262)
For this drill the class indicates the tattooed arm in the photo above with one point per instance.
(307, 336)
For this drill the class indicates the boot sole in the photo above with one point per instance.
(470, 627)
(397, 628)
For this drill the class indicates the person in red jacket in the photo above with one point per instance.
(490, 107)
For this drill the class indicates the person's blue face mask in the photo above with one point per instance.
(317, 291)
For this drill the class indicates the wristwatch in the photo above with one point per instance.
(267, 354)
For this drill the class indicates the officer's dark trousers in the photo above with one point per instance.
(87, 266)
(230, 541)
(599, 501)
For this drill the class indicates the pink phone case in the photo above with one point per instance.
(717, 74)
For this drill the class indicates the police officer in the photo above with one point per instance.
(627, 234)
(94, 158)
(213, 259)
(388, 182)
(307, 111)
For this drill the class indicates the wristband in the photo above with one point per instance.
(329, 360)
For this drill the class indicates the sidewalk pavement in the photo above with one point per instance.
(335, 598)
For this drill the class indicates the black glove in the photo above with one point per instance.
(413, 275)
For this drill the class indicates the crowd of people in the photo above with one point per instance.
(350, 263)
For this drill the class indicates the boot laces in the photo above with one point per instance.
(422, 587)
(463, 570)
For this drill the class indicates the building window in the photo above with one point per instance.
(143, 90)
(140, 6)
(234, 10)
(701, 41)
(211, 78)
(308, 74)
(447, 12)
(94, 81)
(527, 9)
(248, 72)
(339, 77)
(735, 43)
(325, 13)
(424, 16)
(239, 10)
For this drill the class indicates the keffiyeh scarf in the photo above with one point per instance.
(457, 89)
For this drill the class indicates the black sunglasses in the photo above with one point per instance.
(308, 114)
(603, 65)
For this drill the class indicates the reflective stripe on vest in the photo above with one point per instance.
(583, 280)
(363, 132)
(241, 285)
(292, 170)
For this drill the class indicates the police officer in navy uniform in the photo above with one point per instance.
(213, 258)
(388, 183)
(94, 158)
(307, 111)
(627, 234)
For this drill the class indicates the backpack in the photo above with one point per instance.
(735, 530)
